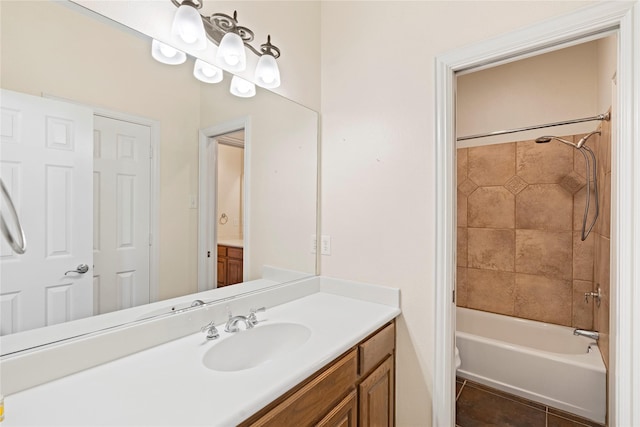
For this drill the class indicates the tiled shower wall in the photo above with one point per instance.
(601, 234)
(519, 253)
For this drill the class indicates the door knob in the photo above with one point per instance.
(81, 269)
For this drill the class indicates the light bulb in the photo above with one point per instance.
(168, 51)
(166, 54)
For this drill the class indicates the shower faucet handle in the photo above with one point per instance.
(597, 296)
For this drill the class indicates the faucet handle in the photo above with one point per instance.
(253, 319)
(211, 330)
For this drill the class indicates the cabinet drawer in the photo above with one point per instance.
(234, 252)
(222, 250)
(316, 397)
(376, 349)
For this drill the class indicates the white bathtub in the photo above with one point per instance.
(538, 361)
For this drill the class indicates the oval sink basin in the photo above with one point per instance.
(253, 347)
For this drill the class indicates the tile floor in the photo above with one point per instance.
(478, 405)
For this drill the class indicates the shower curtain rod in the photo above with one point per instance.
(605, 116)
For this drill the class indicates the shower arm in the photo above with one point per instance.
(605, 116)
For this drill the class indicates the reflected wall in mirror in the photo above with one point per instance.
(56, 50)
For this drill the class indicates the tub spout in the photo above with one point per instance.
(589, 334)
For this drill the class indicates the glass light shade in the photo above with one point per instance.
(231, 55)
(242, 88)
(267, 72)
(166, 54)
(187, 24)
(207, 73)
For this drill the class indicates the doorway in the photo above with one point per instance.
(223, 228)
(229, 195)
(568, 30)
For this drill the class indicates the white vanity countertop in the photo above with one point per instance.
(169, 385)
(238, 243)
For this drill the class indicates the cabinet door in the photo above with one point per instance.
(222, 271)
(376, 396)
(234, 271)
(345, 413)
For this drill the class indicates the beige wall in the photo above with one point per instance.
(378, 151)
(90, 65)
(607, 52)
(556, 86)
(280, 177)
(230, 178)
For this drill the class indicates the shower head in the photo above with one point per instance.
(547, 138)
(543, 139)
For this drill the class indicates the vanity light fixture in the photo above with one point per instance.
(231, 54)
(166, 54)
(267, 72)
(232, 40)
(188, 25)
(206, 72)
(242, 88)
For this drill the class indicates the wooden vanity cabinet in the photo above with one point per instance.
(230, 260)
(357, 389)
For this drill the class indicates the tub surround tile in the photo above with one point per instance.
(573, 182)
(461, 255)
(544, 299)
(461, 287)
(491, 207)
(604, 186)
(467, 187)
(491, 164)
(602, 263)
(582, 316)
(515, 184)
(578, 207)
(491, 249)
(544, 207)
(461, 164)
(544, 163)
(491, 291)
(541, 202)
(583, 257)
(544, 253)
(461, 206)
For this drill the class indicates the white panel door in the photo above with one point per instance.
(46, 164)
(121, 239)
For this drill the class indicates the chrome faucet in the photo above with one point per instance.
(210, 329)
(589, 334)
(232, 323)
(249, 321)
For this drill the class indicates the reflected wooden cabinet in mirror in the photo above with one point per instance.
(229, 265)
(357, 389)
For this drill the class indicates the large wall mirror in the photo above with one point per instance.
(61, 57)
